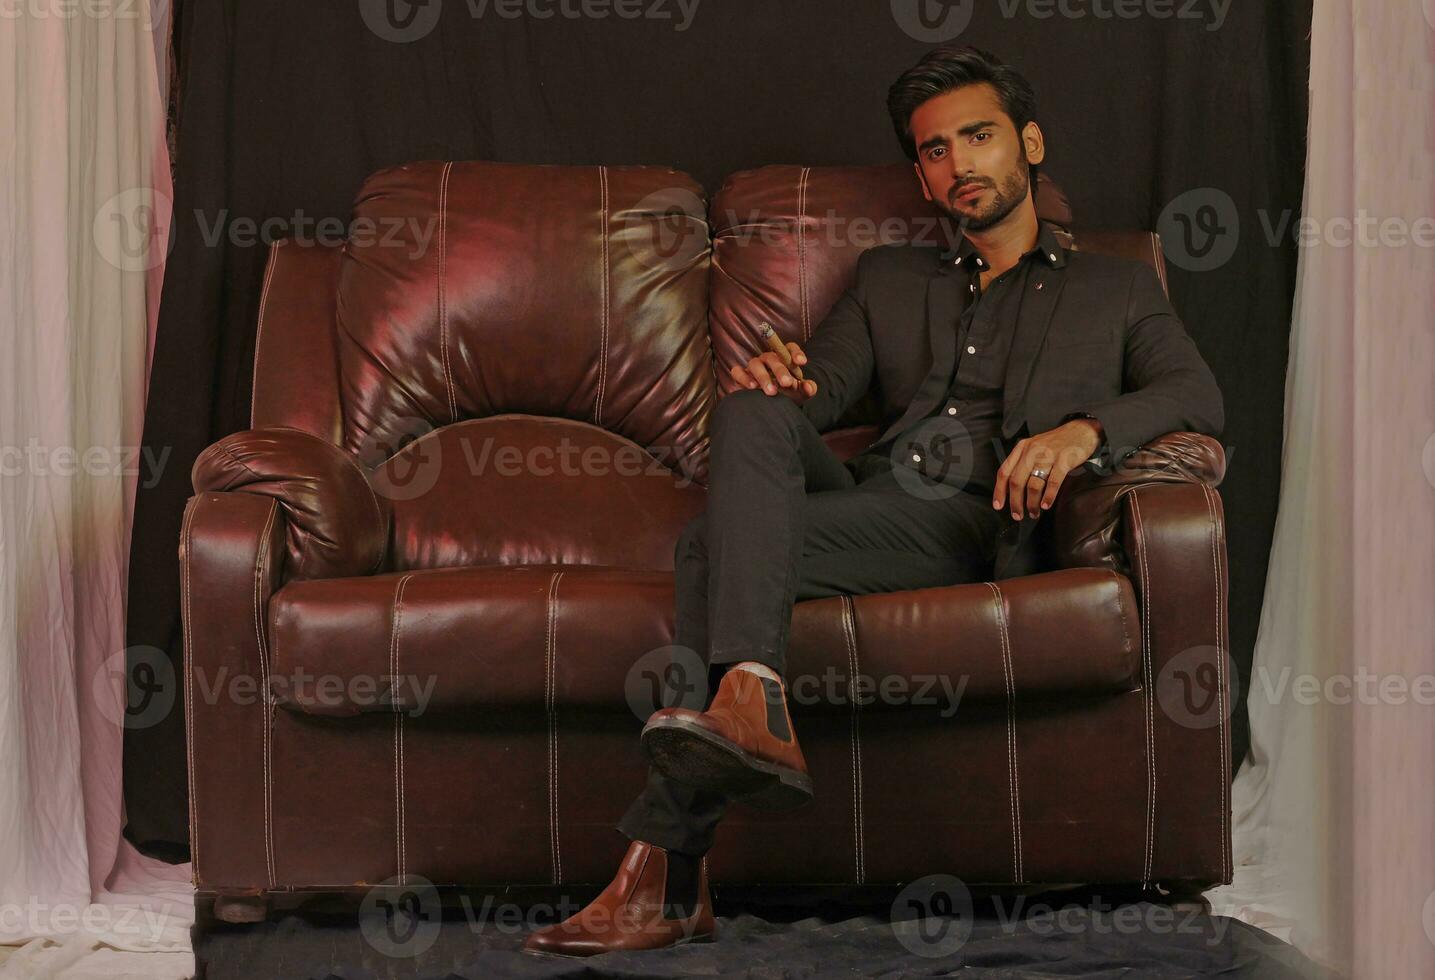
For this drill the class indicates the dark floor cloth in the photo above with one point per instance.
(816, 938)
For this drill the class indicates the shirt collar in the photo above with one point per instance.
(1047, 248)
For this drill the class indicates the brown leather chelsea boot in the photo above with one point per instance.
(742, 746)
(634, 911)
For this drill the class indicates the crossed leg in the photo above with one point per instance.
(787, 521)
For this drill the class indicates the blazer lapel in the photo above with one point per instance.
(944, 308)
(1043, 287)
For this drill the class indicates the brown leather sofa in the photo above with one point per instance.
(477, 431)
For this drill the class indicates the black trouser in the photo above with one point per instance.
(787, 520)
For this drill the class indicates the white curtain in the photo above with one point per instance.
(1334, 812)
(84, 215)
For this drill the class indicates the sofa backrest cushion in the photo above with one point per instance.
(473, 289)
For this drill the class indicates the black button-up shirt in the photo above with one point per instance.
(960, 442)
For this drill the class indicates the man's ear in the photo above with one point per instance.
(1033, 143)
(922, 178)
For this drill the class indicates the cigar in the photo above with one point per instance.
(775, 344)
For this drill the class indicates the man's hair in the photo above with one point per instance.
(953, 66)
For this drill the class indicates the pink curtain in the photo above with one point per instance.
(1334, 813)
(84, 204)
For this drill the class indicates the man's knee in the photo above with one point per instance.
(750, 408)
(693, 534)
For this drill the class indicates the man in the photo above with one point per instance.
(1005, 363)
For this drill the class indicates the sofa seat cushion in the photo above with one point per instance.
(598, 638)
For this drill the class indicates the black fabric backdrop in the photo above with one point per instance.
(285, 107)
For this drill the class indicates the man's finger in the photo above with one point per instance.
(1034, 488)
(1053, 484)
(1045, 459)
(1016, 489)
(780, 374)
(1021, 487)
(1004, 474)
(740, 375)
(758, 369)
(805, 389)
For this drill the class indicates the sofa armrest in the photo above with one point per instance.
(335, 525)
(1175, 536)
(231, 553)
(1088, 510)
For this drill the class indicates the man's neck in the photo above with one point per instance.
(1001, 245)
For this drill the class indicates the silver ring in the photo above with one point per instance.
(1040, 473)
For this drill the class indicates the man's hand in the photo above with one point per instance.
(1057, 451)
(767, 370)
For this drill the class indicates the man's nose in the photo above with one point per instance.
(961, 172)
(961, 167)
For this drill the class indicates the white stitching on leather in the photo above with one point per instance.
(400, 842)
(259, 330)
(859, 833)
(1013, 770)
(602, 313)
(442, 287)
(550, 656)
(1148, 684)
(1156, 255)
(802, 253)
(265, 695)
(1224, 745)
(188, 533)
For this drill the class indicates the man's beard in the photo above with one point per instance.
(1009, 194)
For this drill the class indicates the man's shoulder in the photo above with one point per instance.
(896, 258)
(1098, 266)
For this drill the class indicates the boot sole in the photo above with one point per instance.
(706, 937)
(693, 755)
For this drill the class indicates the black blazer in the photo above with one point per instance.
(1096, 335)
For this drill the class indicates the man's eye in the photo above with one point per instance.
(935, 153)
(981, 136)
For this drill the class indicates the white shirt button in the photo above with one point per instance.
(1053, 257)
(971, 350)
(952, 410)
(916, 457)
(974, 287)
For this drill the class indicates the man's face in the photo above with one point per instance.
(972, 162)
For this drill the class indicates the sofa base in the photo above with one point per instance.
(539, 904)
